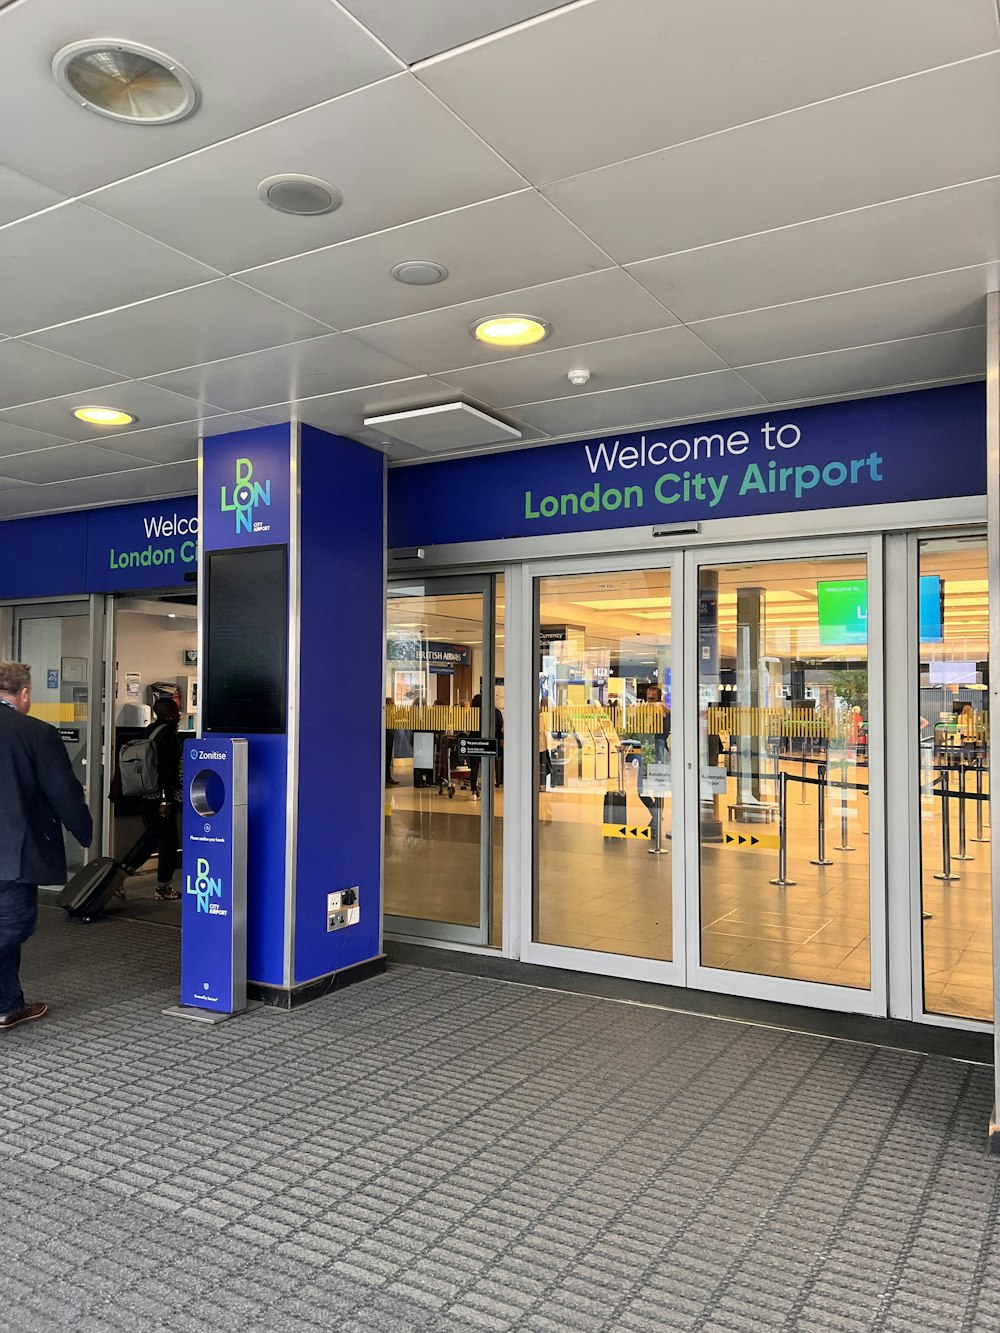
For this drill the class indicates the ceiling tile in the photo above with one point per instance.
(936, 356)
(929, 233)
(251, 70)
(299, 370)
(596, 306)
(932, 304)
(28, 372)
(151, 405)
(418, 159)
(487, 248)
(20, 196)
(217, 319)
(416, 31)
(625, 77)
(636, 359)
(901, 138)
(72, 262)
(620, 409)
(179, 443)
(66, 462)
(18, 440)
(19, 497)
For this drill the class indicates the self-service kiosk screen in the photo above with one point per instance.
(246, 667)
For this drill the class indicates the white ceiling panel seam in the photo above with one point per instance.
(809, 222)
(783, 114)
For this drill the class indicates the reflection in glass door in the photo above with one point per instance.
(954, 778)
(604, 793)
(784, 714)
(442, 818)
(54, 641)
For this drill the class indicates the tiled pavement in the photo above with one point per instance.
(440, 1152)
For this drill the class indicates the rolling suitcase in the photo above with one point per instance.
(616, 803)
(92, 888)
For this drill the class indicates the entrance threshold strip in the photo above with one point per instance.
(889, 1033)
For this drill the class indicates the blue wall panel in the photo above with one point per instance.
(43, 557)
(341, 743)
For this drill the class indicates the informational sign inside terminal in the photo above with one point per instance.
(213, 908)
(903, 447)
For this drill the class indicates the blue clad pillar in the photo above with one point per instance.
(311, 504)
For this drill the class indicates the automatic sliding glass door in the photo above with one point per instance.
(787, 840)
(442, 807)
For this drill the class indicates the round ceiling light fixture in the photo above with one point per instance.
(419, 272)
(103, 416)
(302, 196)
(125, 81)
(510, 330)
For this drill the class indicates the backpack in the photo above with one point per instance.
(139, 766)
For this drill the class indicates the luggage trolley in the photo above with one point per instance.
(446, 767)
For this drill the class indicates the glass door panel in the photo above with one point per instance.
(55, 643)
(783, 710)
(954, 778)
(603, 798)
(439, 806)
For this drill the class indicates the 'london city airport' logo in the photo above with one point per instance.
(205, 887)
(247, 496)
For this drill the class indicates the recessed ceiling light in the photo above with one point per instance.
(419, 272)
(125, 81)
(103, 416)
(510, 330)
(303, 196)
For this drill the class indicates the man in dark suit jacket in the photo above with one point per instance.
(40, 795)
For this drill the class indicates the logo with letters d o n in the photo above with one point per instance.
(205, 886)
(246, 497)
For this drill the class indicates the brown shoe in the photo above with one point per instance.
(24, 1015)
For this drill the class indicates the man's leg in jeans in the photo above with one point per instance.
(18, 914)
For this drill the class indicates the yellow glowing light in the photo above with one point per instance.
(510, 330)
(103, 416)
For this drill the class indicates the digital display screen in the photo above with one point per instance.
(931, 608)
(246, 666)
(843, 611)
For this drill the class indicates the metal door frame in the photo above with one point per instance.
(420, 929)
(786, 990)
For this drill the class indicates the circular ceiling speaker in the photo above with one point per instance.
(419, 272)
(304, 196)
(125, 81)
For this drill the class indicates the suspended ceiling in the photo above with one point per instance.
(717, 207)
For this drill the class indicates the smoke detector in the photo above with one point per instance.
(578, 377)
(302, 196)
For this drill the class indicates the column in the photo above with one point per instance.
(292, 658)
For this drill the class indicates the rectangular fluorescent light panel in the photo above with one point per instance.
(447, 426)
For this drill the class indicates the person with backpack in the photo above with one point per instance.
(150, 767)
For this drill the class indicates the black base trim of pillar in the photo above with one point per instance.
(281, 997)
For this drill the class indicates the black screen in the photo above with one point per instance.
(246, 668)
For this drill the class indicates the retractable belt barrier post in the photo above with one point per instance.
(843, 808)
(821, 858)
(782, 880)
(945, 873)
(214, 899)
(962, 854)
(979, 803)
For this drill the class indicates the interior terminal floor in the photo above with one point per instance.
(612, 896)
(437, 1151)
